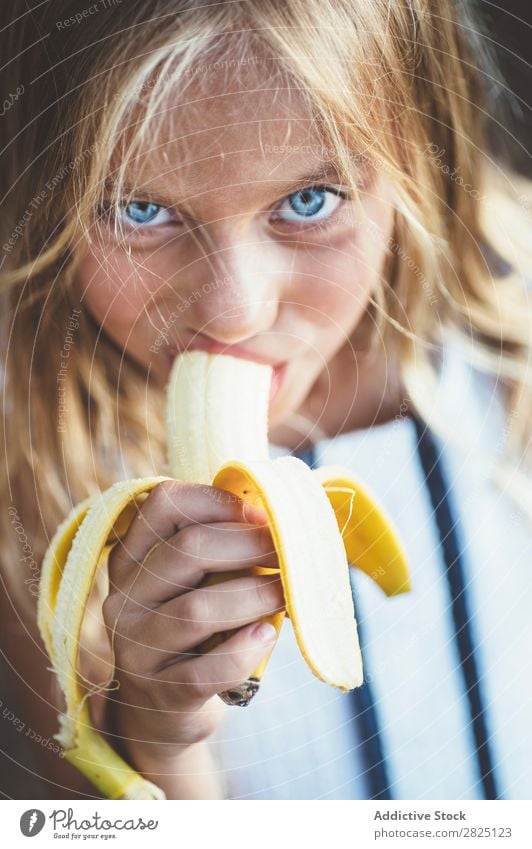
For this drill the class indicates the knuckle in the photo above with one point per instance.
(196, 687)
(190, 541)
(118, 557)
(194, 611)
(163, 495)
(269, 593)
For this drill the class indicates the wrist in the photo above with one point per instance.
(183, 771)
(189, 774)
(131, 744)
(146, 757)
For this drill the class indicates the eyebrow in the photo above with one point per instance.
(159, 193)
(322, 174)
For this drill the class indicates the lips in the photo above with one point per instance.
(277, 379)
(213, 347)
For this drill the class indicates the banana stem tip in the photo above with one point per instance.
(241, 695)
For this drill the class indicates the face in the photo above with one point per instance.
(239, 238)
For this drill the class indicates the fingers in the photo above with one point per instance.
(223, 668)
(156, 611)
(184, 623)
(179, 564)
(174, 505)
(179, 626)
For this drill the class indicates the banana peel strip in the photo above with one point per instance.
(68, 573)
(312, 562)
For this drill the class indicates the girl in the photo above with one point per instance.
(306, 184)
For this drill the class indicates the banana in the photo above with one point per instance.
(321, 522)
(217, 412)
(210, 388)
(77, 550)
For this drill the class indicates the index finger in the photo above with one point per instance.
(170, 507)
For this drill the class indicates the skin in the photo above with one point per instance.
(291, 291)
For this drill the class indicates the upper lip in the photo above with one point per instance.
(213, 347)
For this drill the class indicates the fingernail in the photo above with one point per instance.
(264, 632)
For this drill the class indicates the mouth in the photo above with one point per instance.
(278, 367)
(278, 374)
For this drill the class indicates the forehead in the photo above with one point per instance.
(229, 125)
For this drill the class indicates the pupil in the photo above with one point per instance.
(142, 211)
(308, 201)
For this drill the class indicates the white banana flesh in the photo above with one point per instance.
(217, 412)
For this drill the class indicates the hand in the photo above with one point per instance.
(159, 614)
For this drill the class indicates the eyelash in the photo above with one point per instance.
(314, 223)
(107, 212)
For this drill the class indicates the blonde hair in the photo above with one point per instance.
(404, 86)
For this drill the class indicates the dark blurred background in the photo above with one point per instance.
(509, 26)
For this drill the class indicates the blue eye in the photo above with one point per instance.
(315, 203)
(307, 202)
(139, 213)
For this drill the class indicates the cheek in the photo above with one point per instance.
(345, 274)
(114, 289)
(337, 283)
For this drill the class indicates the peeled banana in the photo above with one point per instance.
(320, 521)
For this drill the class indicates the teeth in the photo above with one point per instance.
(320, 522)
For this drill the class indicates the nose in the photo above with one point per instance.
(233, 294)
